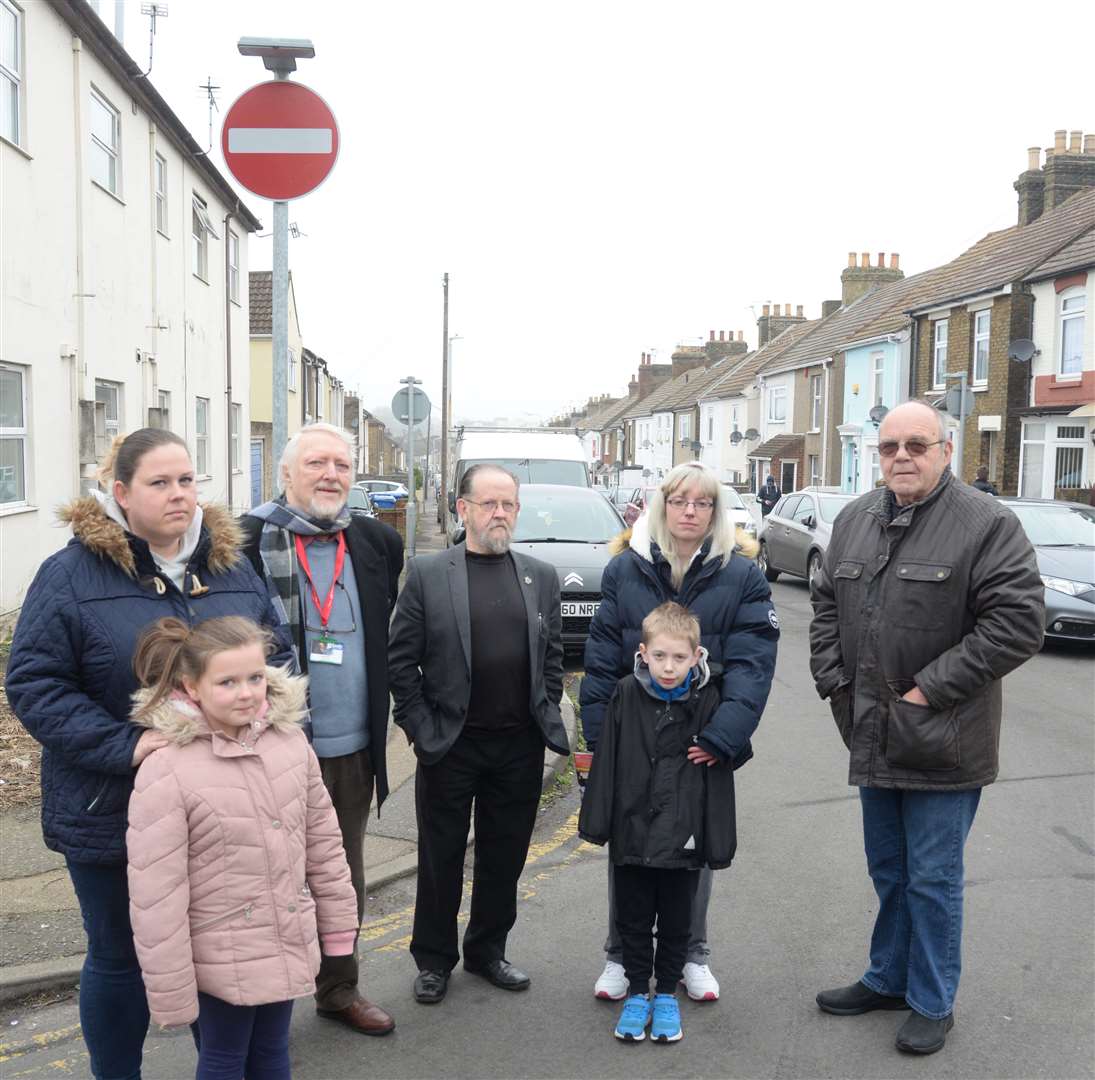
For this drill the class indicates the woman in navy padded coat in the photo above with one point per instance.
(684, 548)
(143, 552)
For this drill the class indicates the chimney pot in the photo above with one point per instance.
(851, 258)
(1034, 157)
(741, 335)
(765, 310)
(1059, 141)
(865, 260)
(722, 335)
(1089, 144)
(712, 333)
(881, 260)
(798, 311)
(894, 260)
(775, 309)
(1074, 142)
(787, 310)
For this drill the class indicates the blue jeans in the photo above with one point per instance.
(914, 842)
(113, 1007)
(234, 1041)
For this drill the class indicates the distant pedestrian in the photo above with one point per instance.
(769, 496)
(928, 597)
(476, 663)
(140, 551)
(982, 483)
(335, 575)
(661, 792)
(685, 548)
(235, 853)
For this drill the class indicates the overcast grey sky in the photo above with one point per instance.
(607, 177)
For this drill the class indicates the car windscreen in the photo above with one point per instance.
(565, 516)
(537, 470)
(1054, 526)
(831, 505)
(357, 499)
(731, 498)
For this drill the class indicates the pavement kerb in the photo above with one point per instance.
(20, 980)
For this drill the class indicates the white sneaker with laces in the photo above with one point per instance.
(700, 983)
(612, 985)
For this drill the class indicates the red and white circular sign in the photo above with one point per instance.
(280, 139)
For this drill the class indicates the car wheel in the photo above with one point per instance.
(762, 562)
(813, 567)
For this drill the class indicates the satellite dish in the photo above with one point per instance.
(752, 433)
(736, 437)
(1022, 349)
(878, 414)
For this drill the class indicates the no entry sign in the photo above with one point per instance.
(280, 140)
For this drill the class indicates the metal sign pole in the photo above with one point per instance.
(280, 335)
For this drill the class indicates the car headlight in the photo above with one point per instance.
(1071, 588)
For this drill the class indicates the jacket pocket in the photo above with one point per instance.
(918, 737)
(841, 702)
(921, 593)
(247, 911)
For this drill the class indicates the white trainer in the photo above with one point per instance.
(612, 985)
(700, 983)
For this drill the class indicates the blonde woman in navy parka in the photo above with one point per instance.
(684, 548)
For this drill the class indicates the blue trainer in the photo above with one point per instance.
(631, 1027)
(666, 1025)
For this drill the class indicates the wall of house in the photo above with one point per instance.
(771, 384)
(142, 319)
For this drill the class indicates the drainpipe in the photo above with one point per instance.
(79, 360)
(914, 359)
(228, 359)
(828, 365)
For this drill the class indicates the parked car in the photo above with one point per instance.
(569, 527)
(796, 533)
(1063, 535)
(742, 515)
(385, 487)
(360, 503)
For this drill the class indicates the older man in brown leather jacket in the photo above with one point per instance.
(929, 596)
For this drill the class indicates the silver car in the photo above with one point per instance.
(796, 533)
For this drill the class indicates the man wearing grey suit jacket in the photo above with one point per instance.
(475, 665)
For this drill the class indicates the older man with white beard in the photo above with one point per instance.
(476, 663)
(335, 579)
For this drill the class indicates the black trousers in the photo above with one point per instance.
(502, 775)
(645, 895)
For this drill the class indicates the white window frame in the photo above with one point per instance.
(12, 74)
(939, 353)
(233, 267)
(292, 370)
(813, 464)
(710, 427)
(235, 420)
(815, 402)
(159, 186)
(113, 151)
(18, 434)
(1065, 318)
(113, 427)
(777, 395)
(201, 228)
(877, 361)
(163, 401)
(201, 436)
(981, 337)
(684, 426)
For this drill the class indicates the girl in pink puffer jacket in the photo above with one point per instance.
(235, 853)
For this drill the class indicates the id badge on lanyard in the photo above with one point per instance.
(326, 649)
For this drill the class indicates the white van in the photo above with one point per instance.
(534, 456)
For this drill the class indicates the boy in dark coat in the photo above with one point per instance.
(660, 791)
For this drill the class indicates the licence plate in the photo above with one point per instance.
(580, 608)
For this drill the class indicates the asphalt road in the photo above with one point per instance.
(791, 917)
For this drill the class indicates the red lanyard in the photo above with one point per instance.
(324, 609)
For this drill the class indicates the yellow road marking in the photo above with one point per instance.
(37, 1042)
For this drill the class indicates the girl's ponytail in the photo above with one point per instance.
(158, 659)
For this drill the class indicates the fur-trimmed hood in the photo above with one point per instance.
(182, 721)
(103, 536)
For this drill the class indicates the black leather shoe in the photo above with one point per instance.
(430, 987)
(921, 1035)
(502, 973)
(855, 999)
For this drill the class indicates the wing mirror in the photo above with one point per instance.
(452, 502)
(809, 521)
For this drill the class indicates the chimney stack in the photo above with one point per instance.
(1066, 171)
(857, 281)
(771, 326)
(828, 307)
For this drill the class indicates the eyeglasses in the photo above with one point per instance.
(490, 505)
(913, 447)
(701, 505)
